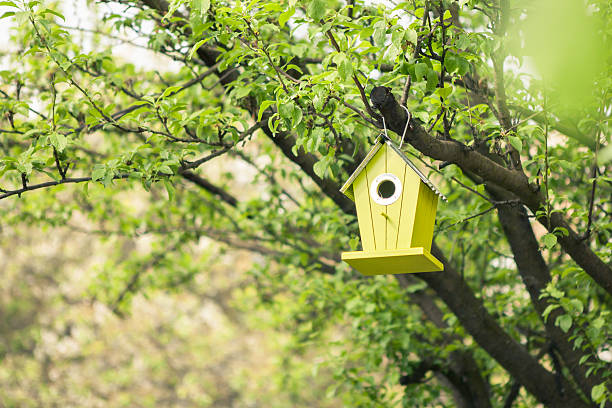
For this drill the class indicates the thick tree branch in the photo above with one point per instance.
(462, 372)
(513, 181)
(470, 311)
(208, 186)
(535, 276)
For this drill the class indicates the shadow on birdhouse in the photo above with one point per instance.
(396, 209)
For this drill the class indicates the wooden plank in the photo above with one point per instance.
(361, 190)
(397, 167)
(409, 196)
(409, 260)
(423, 226)
(428, 229)
(375, 167)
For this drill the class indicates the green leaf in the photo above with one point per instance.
(316, 9)
(169, 189)
(464, 65)
(264, 105)
(58, 141)
(241, 92)
(285, 16)
(7, 14)
(549, 309)
(195, 47)
(55, 13)
(165, 169)
(444, 92)
(554, 292)
(285, 110)
(420, 71)
(269, 28)
(200, 6)
(320, 168)
(98, 172)
(605, 155)
(598, 323)
(345, 69)
(366, 32)
(296, 115)
(380, 31)
(24, 167)
(517, 144)
(450, 63)
(564, 322)
(393, 51)
(598, 392)
(108, 178)
(550, 240)
(577, 305)
(411, 35)
(432, 80)
(169, 91)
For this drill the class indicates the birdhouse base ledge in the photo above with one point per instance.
(411, 260)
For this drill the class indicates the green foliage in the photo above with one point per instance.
(237, 134)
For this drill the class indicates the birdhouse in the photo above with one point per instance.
(396, 209)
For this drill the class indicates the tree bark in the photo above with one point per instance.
(535, 275)
(472, 314)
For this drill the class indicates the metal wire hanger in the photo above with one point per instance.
(405, 127)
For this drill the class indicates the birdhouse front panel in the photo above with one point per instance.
(386, 197)
(409, 204)
(361, 192)
(378, 212)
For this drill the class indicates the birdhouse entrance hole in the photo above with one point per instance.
(386, 189)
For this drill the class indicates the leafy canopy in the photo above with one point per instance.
(245, 118)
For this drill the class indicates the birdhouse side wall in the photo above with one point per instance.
(408, 210)
(361, 191)
(425, 217)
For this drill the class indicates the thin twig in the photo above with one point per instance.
(216, 153)
(466, 219)
(356, 110)
(364, 98)
(8, 193)
(595, 171)
(406, 91)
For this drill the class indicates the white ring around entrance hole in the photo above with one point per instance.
(375, 193)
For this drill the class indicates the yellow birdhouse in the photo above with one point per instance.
(396, 209)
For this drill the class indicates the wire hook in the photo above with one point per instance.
(385, 127)
(405, 127)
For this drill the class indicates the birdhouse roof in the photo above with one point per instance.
(377, 145)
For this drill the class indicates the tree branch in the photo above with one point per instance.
(472, 314)
(31, 187)
(535, 275)
(513, 181)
